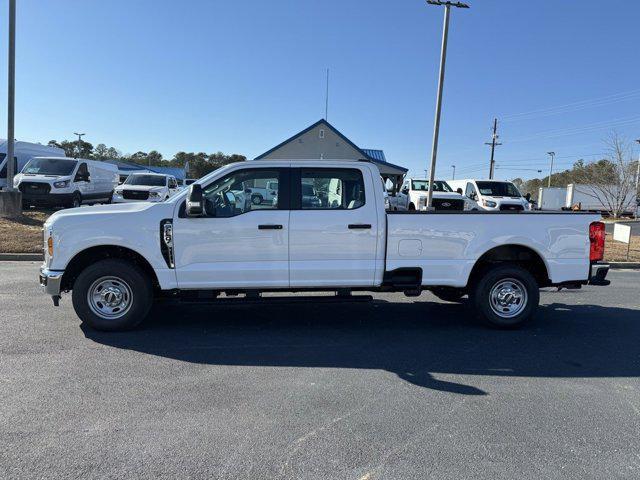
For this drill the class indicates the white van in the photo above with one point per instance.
(22, 153)
(68, 182)
(492, 195)
(146, 187)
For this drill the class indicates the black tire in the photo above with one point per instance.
(76, 200)
(412, 207)
(133, 284)
(449, 294)
(505, 284)
(256, 199)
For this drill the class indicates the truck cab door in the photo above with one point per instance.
(333, 230)
(236, 243)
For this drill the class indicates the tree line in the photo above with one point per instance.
(200, 163)
(609, 180)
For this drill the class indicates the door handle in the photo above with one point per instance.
(269, 227)
(359, 226)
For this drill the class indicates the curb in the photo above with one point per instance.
(21, 257)
(625, 265)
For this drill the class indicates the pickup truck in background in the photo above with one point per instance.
(116, 259)
(413, 196)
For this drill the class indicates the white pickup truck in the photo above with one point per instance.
(202, 243)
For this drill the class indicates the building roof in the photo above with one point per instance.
(375, 156)
(134, 167)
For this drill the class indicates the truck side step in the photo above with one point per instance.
(251, 300)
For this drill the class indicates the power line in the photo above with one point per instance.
(574, 106)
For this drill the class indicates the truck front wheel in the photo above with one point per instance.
(506, 296)
(112, 295)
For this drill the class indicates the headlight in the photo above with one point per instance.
(61, 184)
(489, 203)
(117, 192)
(154, 194)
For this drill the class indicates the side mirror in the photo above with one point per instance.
(195, 201)
(459, 190)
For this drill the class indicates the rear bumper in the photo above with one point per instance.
(50, 280)
(598, 274)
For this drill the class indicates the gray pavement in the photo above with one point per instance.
(400, 388)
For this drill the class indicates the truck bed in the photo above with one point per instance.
(446, 245)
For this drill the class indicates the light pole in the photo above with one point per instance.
(443, 58)
(454, 172)
(553, 156)
(80, 135)
(11, 95)
(10, 198)
(637, 178)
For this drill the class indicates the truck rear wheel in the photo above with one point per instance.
(506, 296)
(112, 295)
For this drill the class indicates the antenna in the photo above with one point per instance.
(326, 99)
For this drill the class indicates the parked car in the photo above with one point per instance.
(23, 152)
(116, 259)
(66, 182)
(414, 191)
(146, 187)
(493, 195)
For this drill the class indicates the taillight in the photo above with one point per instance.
(596, 238)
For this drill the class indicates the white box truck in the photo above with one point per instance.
(551, 198)
(591, 199)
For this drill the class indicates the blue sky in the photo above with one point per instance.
(241, 76)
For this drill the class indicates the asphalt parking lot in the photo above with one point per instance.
(396, 388)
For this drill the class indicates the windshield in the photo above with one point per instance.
(49, 166)
(438, 185)
(146, 180)
(498, 189)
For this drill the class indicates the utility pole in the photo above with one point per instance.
(553, 156)
(493, 143)
(443, 58)
(80, 135)
(454, 172)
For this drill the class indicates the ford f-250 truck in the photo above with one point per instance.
(115, 259)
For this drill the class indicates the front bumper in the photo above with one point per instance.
(598, 274)
(50, 280)
(49, 199)
(120, 199)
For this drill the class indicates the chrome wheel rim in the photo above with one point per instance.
(110, 297)
(508, 298)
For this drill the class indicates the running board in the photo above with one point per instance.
(251, 300)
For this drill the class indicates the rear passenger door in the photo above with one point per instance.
(332, 228)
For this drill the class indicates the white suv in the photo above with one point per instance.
(146, 187)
